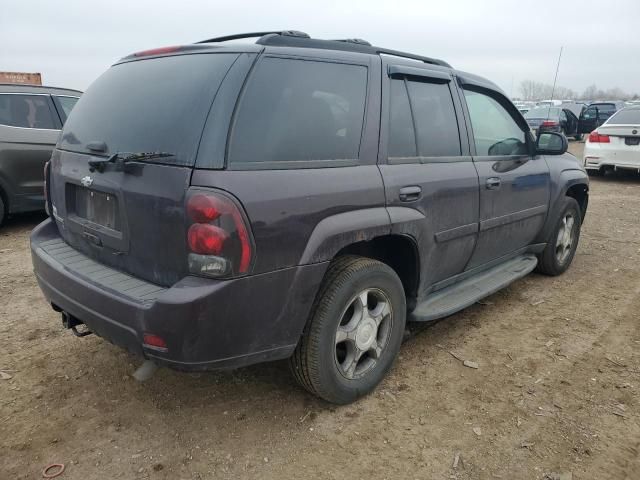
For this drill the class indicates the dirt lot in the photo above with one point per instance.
(557, 389)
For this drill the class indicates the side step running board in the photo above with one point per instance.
(456, 297)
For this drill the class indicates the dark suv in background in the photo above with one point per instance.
(30, 121)
(295, 198)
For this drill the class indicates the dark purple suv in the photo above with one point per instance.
(216, 205)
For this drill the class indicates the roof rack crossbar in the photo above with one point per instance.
(238, 36)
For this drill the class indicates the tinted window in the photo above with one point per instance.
(66, 104)
(626, 116)
(27, 111)
(601, 111)
(494, 130)
(435, 119)
(402, 139)
(157, 104)
(295, 110)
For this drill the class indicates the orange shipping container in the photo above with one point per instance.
(20, 77)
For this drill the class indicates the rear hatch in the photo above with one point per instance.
(131, 216)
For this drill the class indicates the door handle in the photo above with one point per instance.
(410, 194)
(493, 183)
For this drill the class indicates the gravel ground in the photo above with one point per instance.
(556, 391)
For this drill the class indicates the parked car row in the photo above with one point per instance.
(31, 118)
(573, 119)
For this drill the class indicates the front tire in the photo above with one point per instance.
(561, 248)
(354, 332)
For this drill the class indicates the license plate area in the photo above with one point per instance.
(631, 141)
(100, 208)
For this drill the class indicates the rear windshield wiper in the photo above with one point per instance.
(120, 159)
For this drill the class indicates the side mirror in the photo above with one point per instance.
(551, 143)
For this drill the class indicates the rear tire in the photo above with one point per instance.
(595, 173)
(561, 248)
(354, 333)
(579, 137)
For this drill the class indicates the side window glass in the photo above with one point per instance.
(26, 111)
(300, 110)
(494, 130)
(435, 119)
(402, 138)
(66, 104)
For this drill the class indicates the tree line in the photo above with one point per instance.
(531, 90)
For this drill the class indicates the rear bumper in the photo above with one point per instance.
(207, 324)
(597, 157)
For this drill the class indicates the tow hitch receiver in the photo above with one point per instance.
(71, 322)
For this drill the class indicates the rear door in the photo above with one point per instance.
(514, 186)
(427, 167)
(29, 128)
(132, 217)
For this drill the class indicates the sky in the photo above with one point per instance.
(71, 42)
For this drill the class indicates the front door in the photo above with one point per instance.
(514, 186)
(428, 170)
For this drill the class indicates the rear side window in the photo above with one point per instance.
(495, 131)
(422, 120)
(299, 111)
(152, 105)
(402, 137)
(435, 119)
(65, 105)
(27, 111)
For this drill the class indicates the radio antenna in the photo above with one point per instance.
(553, 90)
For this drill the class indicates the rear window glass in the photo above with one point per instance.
(152, 105)
(300, 110)
(27, 111)
(435, 119)
(626, 116)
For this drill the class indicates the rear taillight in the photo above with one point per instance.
(154, 341)
(218, 238)
(595, 137)
(549, 123)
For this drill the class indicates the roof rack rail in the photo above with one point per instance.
(294, 38)
(238, 36)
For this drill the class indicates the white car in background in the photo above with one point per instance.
(615, 144)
